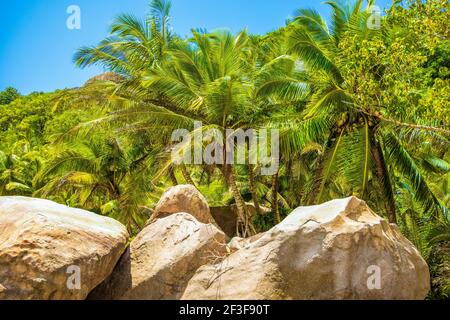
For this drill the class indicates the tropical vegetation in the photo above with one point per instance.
(361, 103)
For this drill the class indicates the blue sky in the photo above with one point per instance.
(37, 48)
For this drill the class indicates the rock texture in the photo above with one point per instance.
(238, 243)
(41, 242)
(333, 251)
(338, 250)
(162, 259)
(183, 198)
(107, 76)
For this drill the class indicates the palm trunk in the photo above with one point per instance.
(172, 176)
(275, 209)
(243, 227)
(187, 175)
(382, 174)
(253, 190)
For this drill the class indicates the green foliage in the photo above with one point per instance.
(99, 174)
(361, 111)
(24, 119)
(8, 95)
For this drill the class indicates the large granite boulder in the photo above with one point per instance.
(338, 250)
(162, 259)
(50, 251)
(183, 198)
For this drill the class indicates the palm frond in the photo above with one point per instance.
(405, 164)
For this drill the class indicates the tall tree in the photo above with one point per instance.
(361, 144)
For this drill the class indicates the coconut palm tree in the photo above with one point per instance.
(206, 80)
(361, 144)
(99, 175)
(218, 80)
(240, 82)
(134, 45)
(215, 79)
(225, 82)
(221, 80)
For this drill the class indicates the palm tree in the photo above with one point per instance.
(134, 46)
(216, 79)
(243, 81)
(99, 175)
(17, 172)
(225, 82)
(361, 144)
(221, 80)
(205, 80)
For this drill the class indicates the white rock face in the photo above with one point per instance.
(162, 259)
(43, 245)
(335, 251)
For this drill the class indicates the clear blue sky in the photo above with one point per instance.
(37, 48)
